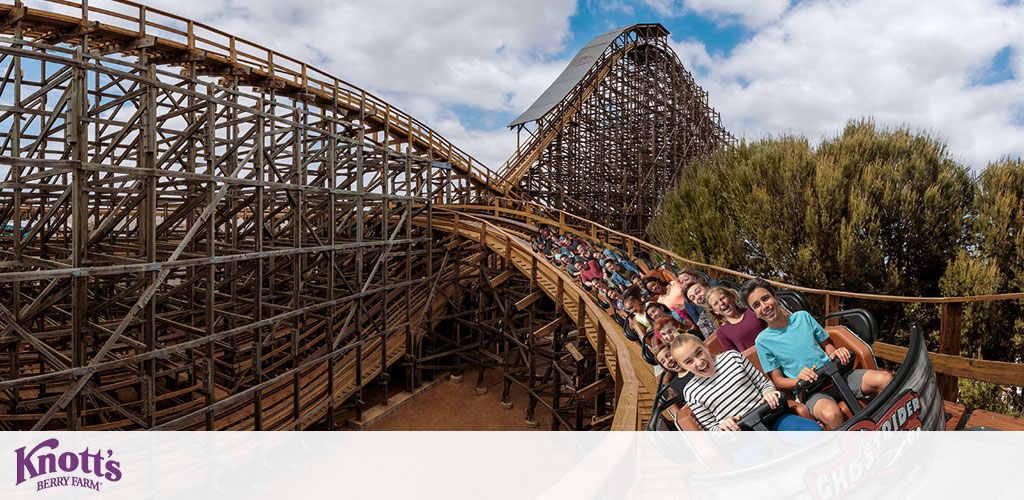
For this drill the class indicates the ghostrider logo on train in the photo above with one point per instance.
(864, 456)
(904, 415)
(88, 468)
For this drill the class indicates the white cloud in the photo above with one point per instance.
(495, 58)
(900, 62)
(805, 69)
(750, 12)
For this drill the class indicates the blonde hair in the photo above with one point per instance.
(685, 339)
(716, 318)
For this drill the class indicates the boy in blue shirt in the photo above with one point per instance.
(794, 345)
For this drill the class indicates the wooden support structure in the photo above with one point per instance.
(199, 256)
(585, 155)
(831, 306)
(249, 251)
(949, 343)
(547, 329)
(528, 300)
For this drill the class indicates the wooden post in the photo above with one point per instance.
(831, 306)
(508, 252)
(949, 343)
(559, 294)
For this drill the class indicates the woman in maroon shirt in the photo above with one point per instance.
(737, 326)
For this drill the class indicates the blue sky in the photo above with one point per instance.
(594, 18)
(466, 68)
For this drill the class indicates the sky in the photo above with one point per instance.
(466, 68)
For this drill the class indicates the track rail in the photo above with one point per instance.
(120, 28)
(246, 241)
(947, 362)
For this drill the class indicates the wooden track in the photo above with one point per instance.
(124, 28)
(197, 217)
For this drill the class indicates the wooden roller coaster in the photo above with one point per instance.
(201, 233)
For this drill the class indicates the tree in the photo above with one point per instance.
(992, 263)
(873, 210)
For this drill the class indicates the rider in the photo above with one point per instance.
(727, 386)
(794, 345)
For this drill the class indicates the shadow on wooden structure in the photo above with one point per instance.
(200, 233)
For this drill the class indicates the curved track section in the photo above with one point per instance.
(206, 238)
(127, 30)
(198, 233)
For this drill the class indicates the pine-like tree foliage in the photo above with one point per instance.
(993, 263)
(873, 210)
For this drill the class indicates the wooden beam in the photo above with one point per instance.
(831, 306)
(503, 277)
(559, 293)
(529, 299)
(550, 327)
(949, 343)
(603, 419)
(995, 372)
(625, 412)
(591, 391)
(226, 71)
(12, 18)
(140, 43)
(476, 258)
(994, 421)
(191, 55)
(82, 29)
(574, 352)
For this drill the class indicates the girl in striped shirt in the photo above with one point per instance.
(726, 387)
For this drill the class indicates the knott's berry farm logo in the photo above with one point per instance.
(905, 415)
(87, 469)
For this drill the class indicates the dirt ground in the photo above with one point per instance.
(453, 406)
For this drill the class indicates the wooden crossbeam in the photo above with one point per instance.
(591, 391)
(529, 299)
(550, 327)
(140, 43)
(476, 258)
(503, 277)
(575, 352)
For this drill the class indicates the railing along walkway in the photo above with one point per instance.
(634, 379)
(125, 27)
(947, 362)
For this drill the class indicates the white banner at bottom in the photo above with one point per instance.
(512, 465)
